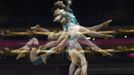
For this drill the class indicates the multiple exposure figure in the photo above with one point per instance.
(69, 40)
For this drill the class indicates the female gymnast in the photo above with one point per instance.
(70, 38)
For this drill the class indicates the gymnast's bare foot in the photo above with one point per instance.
(105, 24)
(36, 27)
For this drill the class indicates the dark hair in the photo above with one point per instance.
(59, 5)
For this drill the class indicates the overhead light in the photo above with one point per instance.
(125, 36)
(88, 38)
(93, 38)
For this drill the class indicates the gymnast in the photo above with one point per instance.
(71, 37)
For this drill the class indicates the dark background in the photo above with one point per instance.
(26, 13)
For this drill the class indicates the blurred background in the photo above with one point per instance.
(24, 13)
(20, 15)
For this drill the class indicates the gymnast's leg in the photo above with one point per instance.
(93, 33)
(77, 57)
(98, 34)
(78, 71)
(38, 28)
(55, 43)
(33, 54)
(94, 47)
(56, 49)
(74, 61)
(83, 63)
(97, 27)
(72, 69)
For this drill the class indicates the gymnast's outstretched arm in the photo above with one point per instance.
(56, 49)
(97, 27)
(56, 42)
(92, 33)
(94, 47)
(51, 35)
(92, 30)
(38, 28)
(98, 34)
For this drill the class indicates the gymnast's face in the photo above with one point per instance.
(59, 15)
(59, 12)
